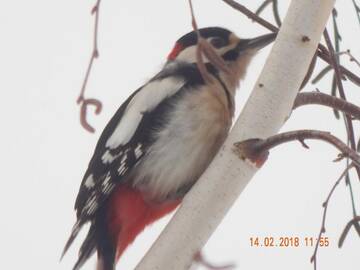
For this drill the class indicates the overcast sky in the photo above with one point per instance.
(44, 50)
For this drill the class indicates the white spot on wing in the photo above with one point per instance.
(107, 179)
(107, 185)
(107, 157)
(146, 99)
(91, 205)
(122, 169)
(89, 182)
(138, 151)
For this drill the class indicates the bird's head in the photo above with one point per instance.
(236, 52)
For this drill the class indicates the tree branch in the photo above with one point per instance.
(354, 222)
(252, 149)
(352, 58)
(319, 98)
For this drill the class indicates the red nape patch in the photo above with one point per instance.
(175, 51)
(129, 213)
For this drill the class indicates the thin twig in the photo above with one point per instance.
(251, 15)
(82, 101)
(324, 55)
(354, 222)
(253, 148)
(319, 98)
(199, 57)
(321, 74)
(356, 225)
(352, 58)
(325, 205)
(262, 7)
(357, 10)
(337, 38)
(203, 47)
(334, 94)
(276, 13)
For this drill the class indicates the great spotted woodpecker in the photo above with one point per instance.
(158, 143)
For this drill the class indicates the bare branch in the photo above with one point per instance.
(354, 222)
(321, 74)
(319, 98)
(334, 94)
(276, 13)
(200, 61)
(324, 55)
(252, 149)
(262, 7)
(357, 10)
(83, 111)
(251, 15)
(352, 58)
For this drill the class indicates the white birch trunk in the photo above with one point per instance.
(208, 201)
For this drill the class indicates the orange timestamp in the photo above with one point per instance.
(288, 241)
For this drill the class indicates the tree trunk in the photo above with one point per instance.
(269, 106)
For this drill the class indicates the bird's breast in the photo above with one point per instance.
(195, 129)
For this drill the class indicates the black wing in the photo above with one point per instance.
(103, 174)
(98, 182)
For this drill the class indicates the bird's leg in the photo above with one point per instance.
(200, 260)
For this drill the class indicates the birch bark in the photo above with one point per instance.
(268, 107)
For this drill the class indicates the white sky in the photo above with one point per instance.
(44, 50)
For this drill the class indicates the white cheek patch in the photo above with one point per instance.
(150, 96)
(189, 54)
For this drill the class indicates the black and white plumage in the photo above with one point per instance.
(162, 137)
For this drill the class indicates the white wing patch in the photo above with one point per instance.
(122, 169)
(145, 100)
(89, 182)
(138, 151)
(107, 157)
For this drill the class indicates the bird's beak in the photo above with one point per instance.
(256, 43)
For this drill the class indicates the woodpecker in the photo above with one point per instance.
(158, 143)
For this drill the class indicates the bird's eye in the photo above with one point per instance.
(218, 42)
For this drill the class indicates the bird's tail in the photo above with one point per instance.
(96, 239)
(87, 248)
(74, 232)
(106, 246)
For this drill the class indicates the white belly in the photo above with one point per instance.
(185, 147)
